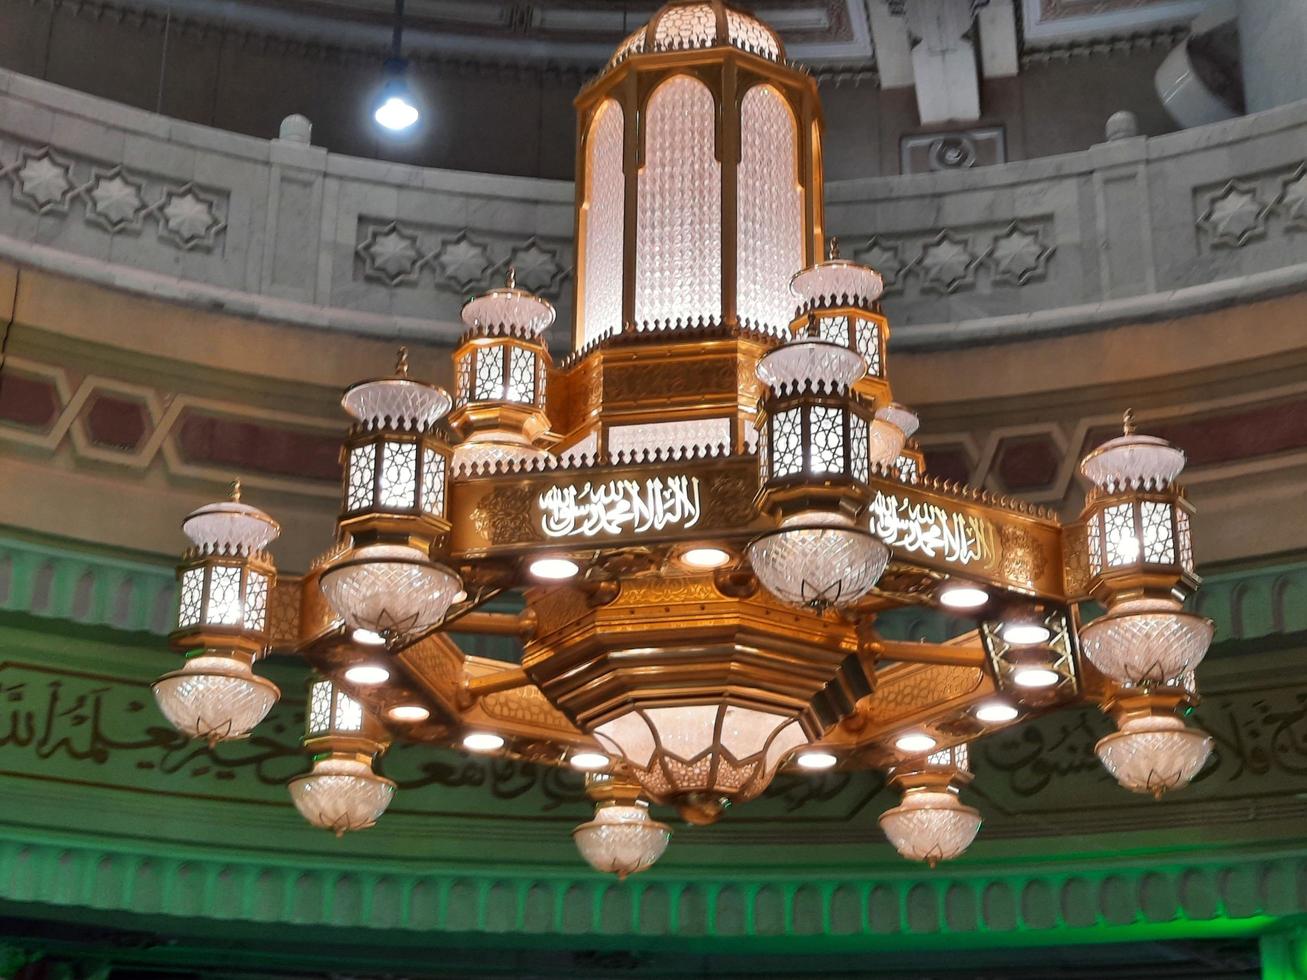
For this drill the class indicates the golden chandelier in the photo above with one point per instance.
(703, 508)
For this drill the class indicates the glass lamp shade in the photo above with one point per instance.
(818, 561)
(805, 363)
(399, 404)
(1133, 461)
(230, 527)
(621, 840)
(393, 590)
(215, 697)
(341, 794)
(1146, 641)
(509, 307)
(701, 756)
(892, 427)
(837, 282)
(1154, 754)
(930, 826)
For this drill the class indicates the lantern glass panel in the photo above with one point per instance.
(320, 695)
(1092, 533)
(224, 607)
(192, 598)
(1159, 536)
(256, 601)
(358, 489)
(909, 470)
(826, 446)
(1122, 546)
(489, 374)
(1185, 540)
(521, 375)
(834, 330)
(433, 482)
(349, 714)
(859, 451)
(867, 338)
(463, 380)
(787, 443)
(398, 474)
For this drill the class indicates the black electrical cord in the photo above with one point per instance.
(9, 326)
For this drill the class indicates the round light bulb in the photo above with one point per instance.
(482, 741)
(705, 557)
(963, 597)
(914, 742)
(408, 712)
(396, 113)
(588, 761)
(1036, 677)
(369, 638)
(1023, 633)
(554, 568)
(817, 760)
(367, 674)
(996, 712)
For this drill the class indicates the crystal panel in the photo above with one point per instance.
(769, 211)
(192, 599)
(678, 271)
(1095, 546)
(859, 451)
(521, 376)
(433, 482)
(1159, 541)
(463, 379)
(224, 596)
(399, 464)
(826, 448)
(684, 435)
(349, 714)
(489, 384)
(748, 33)
(319, 708)
(867, 337)
(358, 489)
(256, 601)
(1186, 540)
(603, 218)
(787, 443)
(689, 26)
(834, 330)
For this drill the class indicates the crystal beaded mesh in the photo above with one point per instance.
(1133, 461)
(214, 697)
(810, 362)
(341, 795)
(689, 26)
(834, 283)
(396, 403)
(930, 827)
(621, 840)
(603, 218)
(1154, 754)
(679, 275)
(1146, 641)
(769, 211)
(818, 567)
(390, 589)
(230, 528)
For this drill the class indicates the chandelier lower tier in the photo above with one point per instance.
(700, 513)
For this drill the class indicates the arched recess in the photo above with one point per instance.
(678, 259)
(602, 221)
(769, 210)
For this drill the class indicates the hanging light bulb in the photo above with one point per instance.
(622, 839)
(396, 110)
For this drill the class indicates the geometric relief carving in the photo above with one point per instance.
(887, 259)
(1234, 215)
(395, 255)
(1018, 255)
(1291, 202)
(117, 201)
(947, 263)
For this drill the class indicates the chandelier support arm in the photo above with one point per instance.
(519, 625)
(929, 653)
(500, 680)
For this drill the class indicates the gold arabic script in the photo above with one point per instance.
(930, 530)
(636, 506)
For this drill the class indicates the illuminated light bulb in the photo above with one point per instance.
(996, 712)
(482, 741)
(963, 596)
(588, 761)
(1025, 633)
(396, 112)
(1035, 677)
(554, 568)
(914, 742)
(367, 674)
(705, 557)
(409, 712)
(817, 760)
(369, 638)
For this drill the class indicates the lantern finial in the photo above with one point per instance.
(1128, 422)
(401, 363)
(832, 248)
(512, 277)
(234, 490)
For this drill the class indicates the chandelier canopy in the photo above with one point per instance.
(692, 522)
